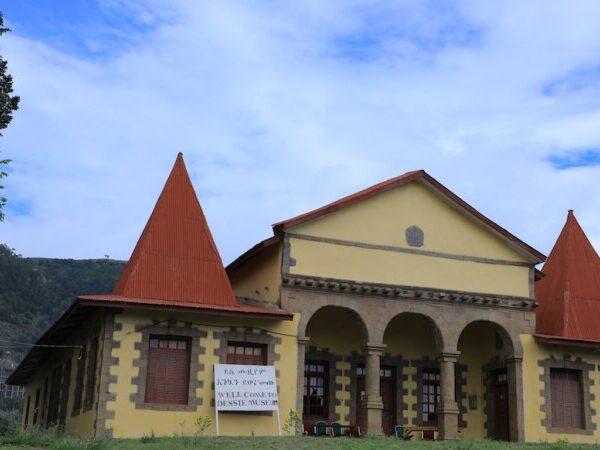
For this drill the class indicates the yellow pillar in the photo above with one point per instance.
(302, 343)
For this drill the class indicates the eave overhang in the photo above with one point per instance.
(559, 340)
(85, 305)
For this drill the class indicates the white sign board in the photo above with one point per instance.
(245, 388)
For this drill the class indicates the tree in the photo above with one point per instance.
(8, 104)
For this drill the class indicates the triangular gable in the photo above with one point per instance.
(409, 177)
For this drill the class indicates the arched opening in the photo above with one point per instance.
(484, 397)
(413, 342)
(337, 337)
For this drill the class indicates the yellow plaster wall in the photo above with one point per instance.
(83, 424)
(380, 266)
(259, 278)
(534, 352)
(132, 422)
(342, 395)
(382, 219)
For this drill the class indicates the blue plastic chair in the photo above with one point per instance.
(320, 428)
(401, 433)
(336, 429)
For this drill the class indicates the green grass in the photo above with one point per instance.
(56, 441)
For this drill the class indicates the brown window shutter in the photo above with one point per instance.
(567, 398)
(246, 353)
(168, 372)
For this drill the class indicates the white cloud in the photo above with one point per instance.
(280, 108)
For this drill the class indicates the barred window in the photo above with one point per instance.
(168, 373)
(316, 388)
(430, 397)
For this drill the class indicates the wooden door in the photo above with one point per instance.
(387, 388)
(500, 406)
(361, 396)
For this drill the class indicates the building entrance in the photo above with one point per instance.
(387, 388)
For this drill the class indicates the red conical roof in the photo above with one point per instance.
(175, 263)
(176, 258)
(569, 293)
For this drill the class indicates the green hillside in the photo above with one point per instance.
(35, 291)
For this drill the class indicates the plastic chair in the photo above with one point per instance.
(402, 433)
(308, 427)
(320, 428)
(428, 435)
(355, 431)
(336, 429)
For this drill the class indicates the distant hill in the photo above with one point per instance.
(34, 292)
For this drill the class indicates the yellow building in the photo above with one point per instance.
(400, 305)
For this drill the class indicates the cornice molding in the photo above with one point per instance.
(397, 292)
(412, 251)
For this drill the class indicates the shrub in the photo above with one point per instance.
(203, 423)
(9, 422)
(293, 423)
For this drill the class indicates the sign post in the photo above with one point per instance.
(245, 388)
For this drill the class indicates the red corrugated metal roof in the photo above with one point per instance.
(399, 181)
(176, 258)
(569, 293)
(176, 262)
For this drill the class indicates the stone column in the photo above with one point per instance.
(516, 416)
(448, 409)
(302, 343)
(373, 403)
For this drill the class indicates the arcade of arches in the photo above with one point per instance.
(448, 372)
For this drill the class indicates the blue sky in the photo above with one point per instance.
(280, 107)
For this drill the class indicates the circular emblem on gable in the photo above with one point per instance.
(414, 236)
